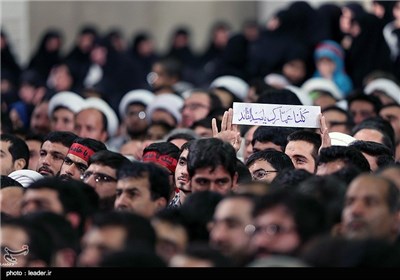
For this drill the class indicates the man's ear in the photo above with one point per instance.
(74, 218)
(103, 136)
(161, 203)
(234, 182)
(20, 164)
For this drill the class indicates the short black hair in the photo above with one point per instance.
(330, 191)
(244, 175)
(359, 95)
(34, 137)
(349, 155)
(276, 135)
(278, 160)
(299, 206)
(290, 178)
(138, 229)
(18, 148)
(381, 125)
(65, 138)
(382, 153)
(108, 158)
(211, 152)
(71, 194)
(181, 135)
(309, 137)
(206, 122)
(62, 234)
(279, 96)
(157, 177)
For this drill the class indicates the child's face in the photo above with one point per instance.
(326, 67)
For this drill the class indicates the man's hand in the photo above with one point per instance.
(229, 132)
(325, 138)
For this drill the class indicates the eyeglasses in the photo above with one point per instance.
(261, 173)
(270, 230)
(98, 177)
(141, 115)
(194, 106)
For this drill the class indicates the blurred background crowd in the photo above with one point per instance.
(121, 151)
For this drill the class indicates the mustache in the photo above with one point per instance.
(356, 221)
(44, 168)
(183, 178)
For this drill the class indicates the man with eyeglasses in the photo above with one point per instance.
(77, 159)
(338, 120)
(283, 222)
(265, 165)
(102, 176)
(198, 105)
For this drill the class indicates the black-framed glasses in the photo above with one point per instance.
(261, 173)
(270, 230)
(98, 177)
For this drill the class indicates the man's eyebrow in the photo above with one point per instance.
(128, 188)
(299, 156)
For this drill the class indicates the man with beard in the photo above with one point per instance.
(53, 151)
(132, 110)
(14, 154)
(77, 159)
(142, 188)
(101, 175)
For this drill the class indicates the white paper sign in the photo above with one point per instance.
(276, 115)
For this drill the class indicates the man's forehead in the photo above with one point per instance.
(368, 184)
(48, 190)
(211, 172)
(100, 166)
(56, 146)
(132, 181)
(77, 159)
(5, 143)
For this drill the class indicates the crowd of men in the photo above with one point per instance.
(116, 161)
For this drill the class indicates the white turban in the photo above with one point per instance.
(25, 176)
